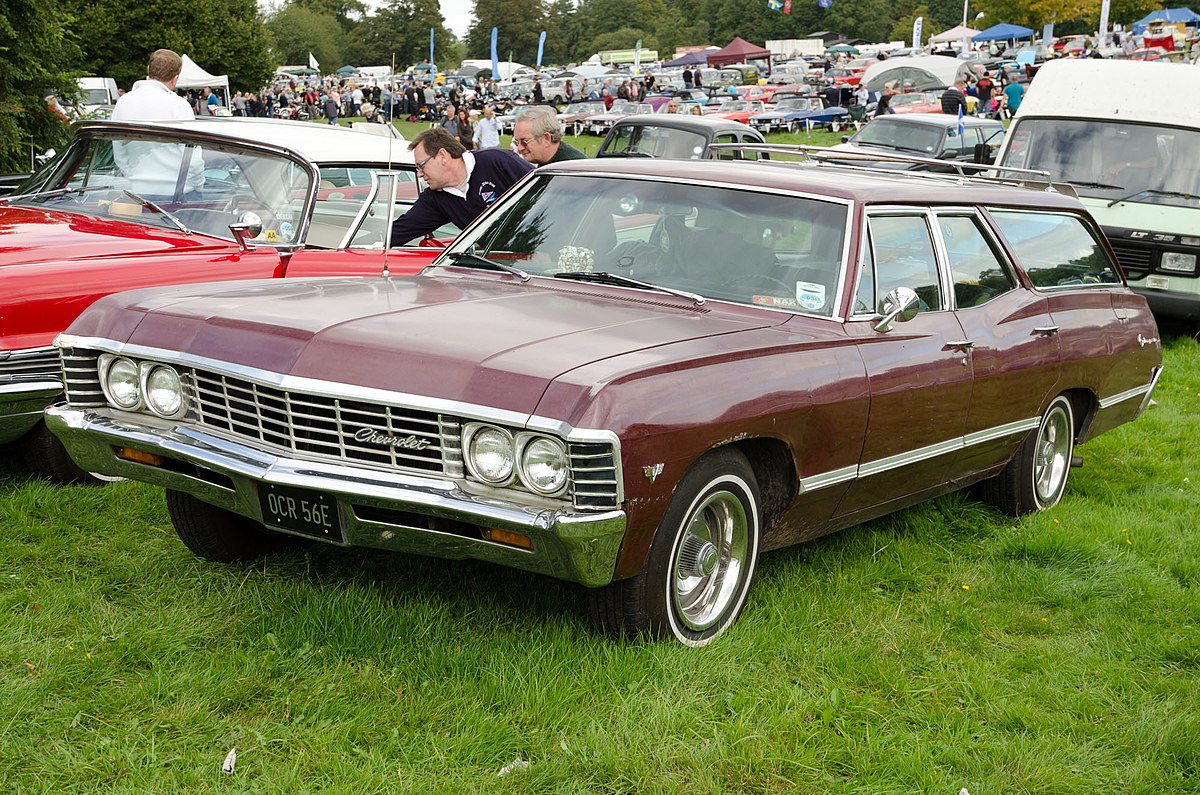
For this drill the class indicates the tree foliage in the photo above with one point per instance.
(223, 36)
(298, 31)
(520, 23)
(401, 29)
(35, 62)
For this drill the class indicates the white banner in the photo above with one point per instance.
(917, 23)
(1104, 23)
(312, 62)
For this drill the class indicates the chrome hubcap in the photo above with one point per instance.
(1053, 457)
(710, 560)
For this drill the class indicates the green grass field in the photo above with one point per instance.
(943, 647)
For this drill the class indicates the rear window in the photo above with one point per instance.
(1056, 249)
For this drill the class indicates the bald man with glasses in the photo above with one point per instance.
(461, 184)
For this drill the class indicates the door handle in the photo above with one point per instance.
(962, 346)
(1046, 331)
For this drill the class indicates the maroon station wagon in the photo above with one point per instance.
(636, 378)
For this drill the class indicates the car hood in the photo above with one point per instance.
(31, 235)
(486, 339)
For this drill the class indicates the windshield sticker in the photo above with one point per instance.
(271, 236)
(810, 295)
(287, 231)
(575, 259)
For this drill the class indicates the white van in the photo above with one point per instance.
(96, 93)
(1126, 134)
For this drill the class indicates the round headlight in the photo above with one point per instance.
(544, 465)
(164, 391)
(490, 454)
(121, 383)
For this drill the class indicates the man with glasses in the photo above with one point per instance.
(537, 137)
(461, 184)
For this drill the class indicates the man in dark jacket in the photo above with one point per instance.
(461, 184)
(538, 137)
(954, 99)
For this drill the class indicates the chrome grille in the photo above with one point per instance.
(29, 364)
(1134, 259)
(323, 427)
(594, 475)
(81, 377)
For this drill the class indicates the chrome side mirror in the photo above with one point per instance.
(248, 227)
(900, 305)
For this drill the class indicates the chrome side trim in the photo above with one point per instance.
(828, 479)
(1129, 394)
(1000, 431)
(910, 457)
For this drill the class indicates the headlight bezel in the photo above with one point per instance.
(1173, 262)
(107, 364)
(148, 371)
(525, 441)
(471, 433)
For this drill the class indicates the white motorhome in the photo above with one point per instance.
(1126, 134)
(96, 94)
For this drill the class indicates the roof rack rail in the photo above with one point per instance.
(860, 161)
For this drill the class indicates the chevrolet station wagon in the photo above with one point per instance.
(637, 378)
(137, 204)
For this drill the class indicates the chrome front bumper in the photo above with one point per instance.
(398, 512)
(22, 403)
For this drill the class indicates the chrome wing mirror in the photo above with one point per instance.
(248, 227)
(900, 305)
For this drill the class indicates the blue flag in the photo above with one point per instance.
(431, 46)
(495, 57)
(541, 46)
(962, 128)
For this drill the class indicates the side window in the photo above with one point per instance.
(726, 154)
(977, 272)
(903, 255)
(1056, 249)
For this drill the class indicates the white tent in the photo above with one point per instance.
(193, 76)
(915, 73)
(954, 34)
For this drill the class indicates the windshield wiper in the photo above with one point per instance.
(46, 194)
(476, 260)
(1085, 184)
(147, 203)
(617, 280)
(1157, 192)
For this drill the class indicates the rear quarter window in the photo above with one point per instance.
(1056, 249)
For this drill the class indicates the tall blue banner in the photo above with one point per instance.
(541, 46)
(495, 57)
(431, 46)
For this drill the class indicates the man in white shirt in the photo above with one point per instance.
(153, 167)
(487, 131)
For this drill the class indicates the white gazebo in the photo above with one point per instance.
(194, 76)
(957, 33)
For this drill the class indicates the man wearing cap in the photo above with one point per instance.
(537, 136)
(461, 184)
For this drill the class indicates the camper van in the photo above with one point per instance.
(96, 94)
(1121, 133)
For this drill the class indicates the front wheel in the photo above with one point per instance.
(1037, 477)
(701, 564)
(219, 535)
(45, 455)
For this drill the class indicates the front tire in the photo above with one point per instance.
(701, 564)
(219, 535)
(1037, 477)
(45, 455)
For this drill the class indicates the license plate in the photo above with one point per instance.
(309, 512)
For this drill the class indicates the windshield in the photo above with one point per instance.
(204, 188)
(94, 96)
(918, 138)
(721, 243)
(1112, 159)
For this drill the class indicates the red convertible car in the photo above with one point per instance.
(638, 376)
(131, 205)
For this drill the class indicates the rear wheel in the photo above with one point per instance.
(219, 535)
(1037, 477)
(701, 564)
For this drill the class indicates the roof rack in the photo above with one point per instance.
(859, 161)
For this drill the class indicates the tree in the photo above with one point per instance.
(346, 12)
(902, 30)
(297, 31)
(223, 36)
(401, 29)
(520, 22)
(623, 39)
(33, 64)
